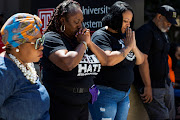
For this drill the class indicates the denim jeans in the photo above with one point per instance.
(111, 104)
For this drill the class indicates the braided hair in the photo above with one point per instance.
(61, 10)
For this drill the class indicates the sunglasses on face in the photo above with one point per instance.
(39, 42)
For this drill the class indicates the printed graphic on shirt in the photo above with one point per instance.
(89, 65)
(130, 56)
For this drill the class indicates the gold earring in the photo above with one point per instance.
(62, 28)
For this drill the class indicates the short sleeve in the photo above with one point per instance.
(52, 43)
(102, 41)
(144, 38)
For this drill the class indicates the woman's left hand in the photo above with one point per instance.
(134, 40)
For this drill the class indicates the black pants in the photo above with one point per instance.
(63, 111)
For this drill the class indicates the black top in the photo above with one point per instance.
(151, 41)
(177, 72)
(81, 76)
(121, 75)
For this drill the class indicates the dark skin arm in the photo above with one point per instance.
(67, 60)
(114, 57)
(145, 75)
(100, 54)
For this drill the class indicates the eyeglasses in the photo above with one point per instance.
(39, 42)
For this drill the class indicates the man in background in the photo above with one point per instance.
(153, 82)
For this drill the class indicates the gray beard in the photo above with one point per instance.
(164, 30)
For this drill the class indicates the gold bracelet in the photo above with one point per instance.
(85, 44)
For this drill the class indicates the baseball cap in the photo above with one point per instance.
(169, 12)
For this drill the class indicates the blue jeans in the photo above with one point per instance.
(111, 104)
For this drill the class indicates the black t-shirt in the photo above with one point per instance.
(121, 75)
(81, 76)
(151, 41)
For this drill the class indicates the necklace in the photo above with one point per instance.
(28, 71)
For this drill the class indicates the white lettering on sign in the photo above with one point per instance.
(92, 24)
(100, 10)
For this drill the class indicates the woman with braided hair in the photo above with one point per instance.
(68, 66)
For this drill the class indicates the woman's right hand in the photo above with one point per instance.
(130, 38)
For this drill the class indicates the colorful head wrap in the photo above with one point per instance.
(19, 29)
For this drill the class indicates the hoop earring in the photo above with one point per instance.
(17, 50)
(62, 28)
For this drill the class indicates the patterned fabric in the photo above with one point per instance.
(19, 29)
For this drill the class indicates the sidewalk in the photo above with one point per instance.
(137, 110)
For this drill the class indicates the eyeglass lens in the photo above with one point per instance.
(39, 42)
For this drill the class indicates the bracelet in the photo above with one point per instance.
(85, 44)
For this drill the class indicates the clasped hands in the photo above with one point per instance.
(83, 35)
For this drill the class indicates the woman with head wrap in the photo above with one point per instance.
(22, 96)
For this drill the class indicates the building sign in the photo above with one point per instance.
(93, 12)
(1, 44)
(90, 13)
(45, 15)
(92, 16)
